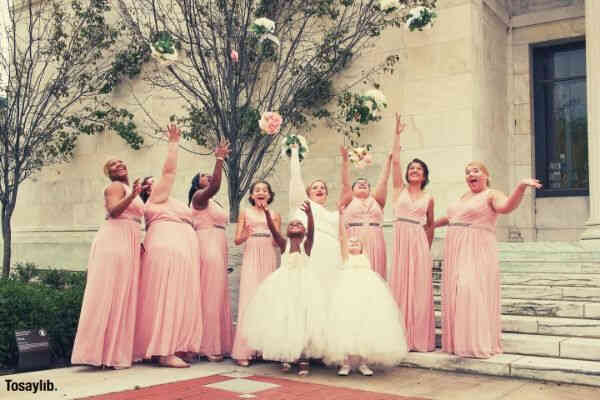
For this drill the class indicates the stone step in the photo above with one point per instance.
(544, 279)
(550, 268)
(541, 267)
(585, 294)
(544, 308)
(546, 346)
(547, 252)
(572, 327)
(512, 365)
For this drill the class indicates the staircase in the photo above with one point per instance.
(550, 316)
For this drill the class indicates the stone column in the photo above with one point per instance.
(591, 235)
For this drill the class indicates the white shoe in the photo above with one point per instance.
(344, 370)
(365, 370)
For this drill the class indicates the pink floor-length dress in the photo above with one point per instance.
(169, 315)
(364, 219)
(471, 324)
(410, 277)
(107, 320)
(210, 223)
(259, 260)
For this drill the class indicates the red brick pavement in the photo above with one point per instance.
(195, 389)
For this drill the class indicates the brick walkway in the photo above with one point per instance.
(229, 387)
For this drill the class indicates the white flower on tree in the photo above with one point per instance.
(377, 97)
(263, 25)
(419, 17)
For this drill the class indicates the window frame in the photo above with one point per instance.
(541, 121)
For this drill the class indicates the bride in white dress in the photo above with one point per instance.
(325, 256)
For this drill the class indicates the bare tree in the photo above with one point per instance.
(240, 58)
(55, 67)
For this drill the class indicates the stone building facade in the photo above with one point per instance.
(513, 83)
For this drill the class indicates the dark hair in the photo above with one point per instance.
(195, 186)
(360, 179)
(271, 192)
(144, 194)
(425, 171)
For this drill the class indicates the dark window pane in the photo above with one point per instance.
(567, 136)
(561, 118)
(568, 63)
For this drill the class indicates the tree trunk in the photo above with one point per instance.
(234, 204)
(7, 239)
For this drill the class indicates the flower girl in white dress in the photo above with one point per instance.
(364, 323)
(285, 319)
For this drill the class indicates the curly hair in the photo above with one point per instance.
(271, 192)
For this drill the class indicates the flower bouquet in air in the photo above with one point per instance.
(295, 140)
(419, 17)
(270, 123)
(163, 48)
(360, 157)
(363, 108)
(264, 29)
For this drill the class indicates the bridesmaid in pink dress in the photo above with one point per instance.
(410, 277)
(169, 318)
(471, 325)
(210, 220)
(364, 214)
(259, 260)
(107, 321)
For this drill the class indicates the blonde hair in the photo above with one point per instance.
(315, 181)
(482, 167)
(105, 168)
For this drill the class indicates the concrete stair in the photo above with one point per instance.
(550, 316)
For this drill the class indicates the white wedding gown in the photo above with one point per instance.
(325, 256)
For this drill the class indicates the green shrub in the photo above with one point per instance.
(25, 272)
(53, 303)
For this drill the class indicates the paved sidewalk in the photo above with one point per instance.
(227, 381)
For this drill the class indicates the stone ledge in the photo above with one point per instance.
(583, 294)
(570, 327)
(544, 308)
(513, 365)
(546, 346)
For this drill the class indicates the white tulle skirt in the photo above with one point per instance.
(286, 317)
(363, 318)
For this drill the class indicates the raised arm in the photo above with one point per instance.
(162, 188)
(504, 205)
(430, 224)
(382, 184)
(397, 178)
(346, 187)
(310, 229)
(116, 200)
(274, 228)
(200, 199)
(343, 235)
(297, 191)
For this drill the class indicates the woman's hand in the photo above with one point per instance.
(222, 150)
(530, 182)
(344, 153)
(136, 188)
(399, 125)
(173, 133)
(306, 208)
